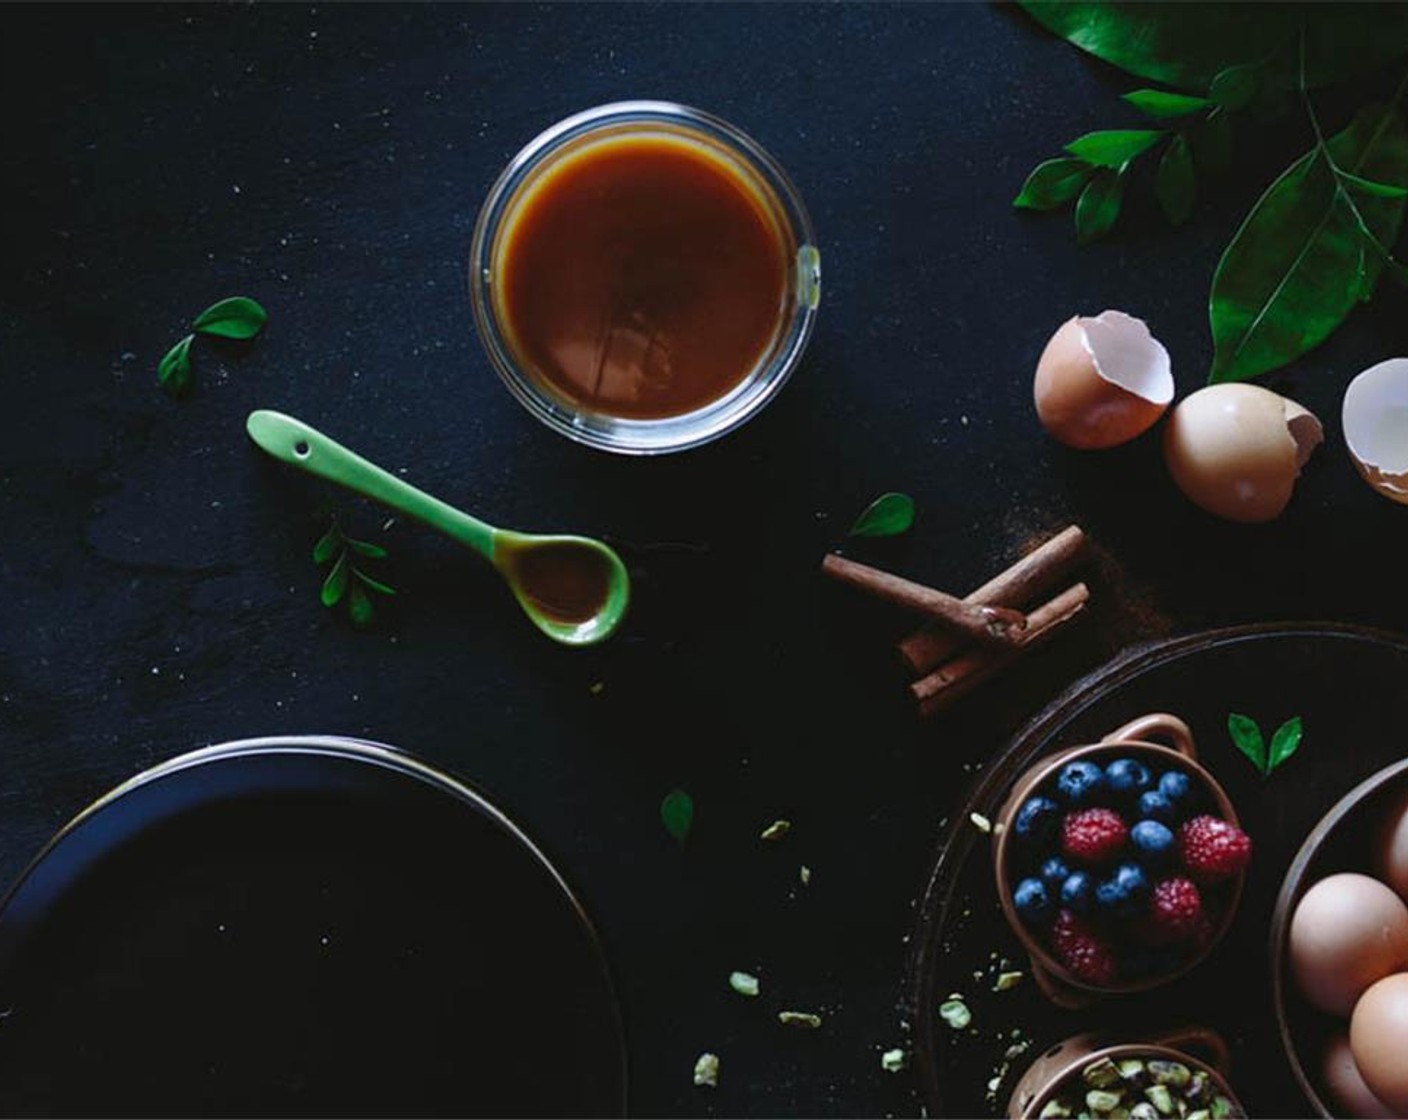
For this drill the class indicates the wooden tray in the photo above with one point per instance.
(1350, 685)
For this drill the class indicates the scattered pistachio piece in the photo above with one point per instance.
(1144, 1111)
(1161, 1099)
(1221, 1108)
(1130, 1068)
(776, 831)
(745, 984)
(1102, 1100)
(1006, 981)
(1055, 1110)
(706, 1070)
(1175, 1074)
(980, 822)
(1201, 1114)
(893, 1061)
(1101, 1075)
(955, 1013)
(994, 1084)
(598, 688)
(799, 1019)
(805, 874)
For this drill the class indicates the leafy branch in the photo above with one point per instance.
(346, 581)
(238, 317)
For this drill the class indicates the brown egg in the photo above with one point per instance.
(1391, 853)
(1237, 450)
(1347, 932)
(1378, 1036)
(1346, 1084)
(1102, 381)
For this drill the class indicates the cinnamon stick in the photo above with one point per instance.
(967, 671)
(992, 625)
(1036, 573)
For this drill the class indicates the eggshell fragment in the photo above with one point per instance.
(1348, 932)
(1237, 450)
(1375, 419)
(1391, 849)
(1101, 381)
(1378, 1037)
(1346, 1084)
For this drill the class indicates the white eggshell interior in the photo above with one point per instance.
(1127, 355)
(1375, 418)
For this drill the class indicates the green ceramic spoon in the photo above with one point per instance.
(575, 589)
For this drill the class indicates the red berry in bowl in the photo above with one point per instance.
(1213, 849)
(1175, 910)
(1084, 954)
(1093, 836)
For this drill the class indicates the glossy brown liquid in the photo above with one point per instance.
(568, 582)
(642, 277)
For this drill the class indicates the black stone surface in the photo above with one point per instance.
(157, 588)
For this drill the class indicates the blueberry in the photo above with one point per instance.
(1176, 786)
(1078, 892)
(1154, 841)
(1080, 782)
(1154, 806)
(1037, 819)
(1033, 902)
(1124, 892)
(1128, 777)
(1053, 873)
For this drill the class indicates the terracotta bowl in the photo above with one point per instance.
(1342, 841)
(1196, 1047)
(1133, 740)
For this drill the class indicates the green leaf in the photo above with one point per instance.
(335, 586)
(375, 584)
(1235, 87)
(1284, 743)
(1053, 183)
(1099, 206)
(359, 606)
(366, 548)
(1246, 737)
(1187, 45)
(1163, 105)
(1114, 147)
(173, 372)
(1291, 274)
(887, 516)
(236, 317)
(1176, 185)
(327, 544)
(1370, 187)
(1212, 143)
(677, 814)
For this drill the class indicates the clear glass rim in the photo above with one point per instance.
(690, 429)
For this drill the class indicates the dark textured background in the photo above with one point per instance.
(157, 587)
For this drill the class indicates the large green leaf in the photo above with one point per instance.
(1186, 45)
(1296, 267)
(1113, 148)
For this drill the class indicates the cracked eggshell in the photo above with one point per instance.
(1102, 381)
(1237, 449)
(1375, 419)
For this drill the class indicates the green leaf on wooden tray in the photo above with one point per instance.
(335, 586)
(1099, 206)
(887, 516)
(1115, 147)
(1053, 183)
(1293, 271)
(1246, 737)
(1187, 45)
(677, 814)
(1284, 743)
(1236, 87)
(1164, 105)
(236, 317)
(173, 372)
(1176, 185)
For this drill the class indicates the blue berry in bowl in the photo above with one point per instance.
(1154, 841)
(1080, 783)
(1176, 786)
(1124, 892)
(1154, 806)
(1037, 819)
(1078, 892)
(1053, 873)
(1128, 777)
(1033, 902)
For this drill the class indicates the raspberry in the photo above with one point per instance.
(1085, 956)
(1175, 911)
(1212, 849)
(1093, 836)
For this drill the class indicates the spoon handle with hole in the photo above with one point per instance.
(302, 446)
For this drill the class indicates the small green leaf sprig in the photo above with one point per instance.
(677, 814)
(887, 516)
(345, 580)
(1247, 737)
(1097, 164)
(237, 317)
